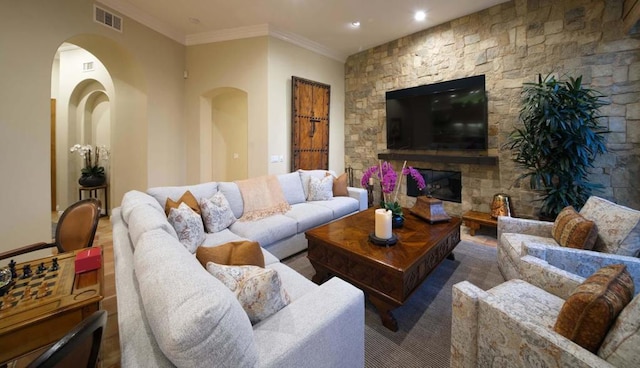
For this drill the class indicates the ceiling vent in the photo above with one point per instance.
(107, 18)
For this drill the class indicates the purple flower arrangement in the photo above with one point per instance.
(388, 179)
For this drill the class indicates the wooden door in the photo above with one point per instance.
(310, 124)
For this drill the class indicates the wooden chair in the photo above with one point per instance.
(75, 230)
(78, 348)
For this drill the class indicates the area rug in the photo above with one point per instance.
(423, 338)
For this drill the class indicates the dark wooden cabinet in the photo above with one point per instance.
(310, 124)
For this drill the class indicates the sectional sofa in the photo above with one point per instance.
(172, 312)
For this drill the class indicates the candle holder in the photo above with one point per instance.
(384, 242)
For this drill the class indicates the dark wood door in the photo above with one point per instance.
(310, 124)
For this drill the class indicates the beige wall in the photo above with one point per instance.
(148, 146)
(287, 60)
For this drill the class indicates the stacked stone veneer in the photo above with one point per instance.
(511, 44)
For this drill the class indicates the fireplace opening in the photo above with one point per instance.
(444, 185)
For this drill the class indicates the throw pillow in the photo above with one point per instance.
(188, 226)
(620, 347)
(237, 253)
(216, 213)
(259, 290)
(594, 305)
(320, 189)
(340, 185)
(572, 230)
(187, 198)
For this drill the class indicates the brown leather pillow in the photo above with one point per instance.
(589, 312)
(187, 198)
(237, 253)
(572, 230)
(340, 185)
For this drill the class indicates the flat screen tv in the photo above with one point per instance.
(450, 115)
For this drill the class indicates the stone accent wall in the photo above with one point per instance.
(511, 44)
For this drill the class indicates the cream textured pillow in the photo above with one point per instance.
(620, 346)
(320, 189)
(188, 226)
(259, 290)
(216, 213)
(572, 230)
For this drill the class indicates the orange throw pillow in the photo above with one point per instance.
(589, 312)
(187, 198)
(236, 253)
(572, 230)
(340, 185)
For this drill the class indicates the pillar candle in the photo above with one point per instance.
(383, 223)
(370, 181)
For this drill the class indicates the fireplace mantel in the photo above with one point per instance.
(440, 157)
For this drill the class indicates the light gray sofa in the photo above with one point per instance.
(172, 312)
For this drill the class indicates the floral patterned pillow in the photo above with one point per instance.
(259, 290)
(320, 189)
(216, 213)
(188, 226)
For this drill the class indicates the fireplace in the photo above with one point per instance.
(444, 185)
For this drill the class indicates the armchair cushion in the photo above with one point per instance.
(618, 226)
(620, 346)
(572, 230)
(588, 313)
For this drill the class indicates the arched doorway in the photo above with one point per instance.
(224, 135)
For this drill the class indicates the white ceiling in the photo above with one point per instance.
(321, 25)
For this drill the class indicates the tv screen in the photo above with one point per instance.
(450, 115)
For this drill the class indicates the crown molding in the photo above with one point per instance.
(307, 44)
(227, 34)
(143, 18)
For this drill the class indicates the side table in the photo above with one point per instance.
(474, 219)
(93, 193)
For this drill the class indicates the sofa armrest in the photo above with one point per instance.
(540, 273)
(524, 226)
(464, 324)
(361, 195)
(323, 328)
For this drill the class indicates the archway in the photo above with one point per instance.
(224, 135)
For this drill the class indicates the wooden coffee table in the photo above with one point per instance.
(387, 274)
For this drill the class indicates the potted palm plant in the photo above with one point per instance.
(558, 141)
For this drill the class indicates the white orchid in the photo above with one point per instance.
(91, 164)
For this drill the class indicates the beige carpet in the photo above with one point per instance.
(424, 322)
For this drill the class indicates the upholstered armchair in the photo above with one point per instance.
(512, 325)
(527, 249)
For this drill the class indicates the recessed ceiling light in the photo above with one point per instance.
(355, 24)
(420, 15)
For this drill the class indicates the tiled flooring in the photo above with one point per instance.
(104, 238)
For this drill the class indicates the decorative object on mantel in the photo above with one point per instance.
(500, 206)
(388, 178)
(92, 173)
(429, 209)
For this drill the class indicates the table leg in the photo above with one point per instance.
(384, 310)
(322, 274)
(473, 226)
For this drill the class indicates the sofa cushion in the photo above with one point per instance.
(234, 197)
(308, 215)
(620, 346)
(266, 231)
(134, 198)
(306, 175)
(204, 190)
(574, 231)
(148, 217)
(340, 206)
(590, 310)
(292, 187)
(513, 243)
(618, 226)
(188, 226)
(294, 283)
(216, 213)
(236, 253)
(211, 329)
(340, 186)
(258, 290)
(320, 189)
(186, 198)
